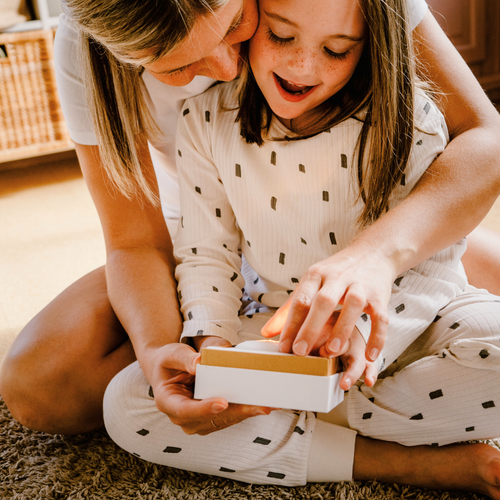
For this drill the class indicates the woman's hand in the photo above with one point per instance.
(172, 380)
(359, 278)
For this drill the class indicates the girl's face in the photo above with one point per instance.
(212, 48)
(304, 52)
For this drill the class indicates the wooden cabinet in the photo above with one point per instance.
(474, 28)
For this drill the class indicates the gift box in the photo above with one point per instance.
(256, 373)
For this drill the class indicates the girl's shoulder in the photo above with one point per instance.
(427, 114)
(220, 98)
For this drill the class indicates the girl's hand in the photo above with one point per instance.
(355, 363)
(360, 279)
(172, 380)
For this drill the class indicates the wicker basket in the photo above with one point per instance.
(31, 120)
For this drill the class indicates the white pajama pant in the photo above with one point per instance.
(444, 388)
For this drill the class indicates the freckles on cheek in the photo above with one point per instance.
(265, 55)
(277, 54)
(340, 70)
(331, 70)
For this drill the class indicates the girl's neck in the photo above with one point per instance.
(306, 119)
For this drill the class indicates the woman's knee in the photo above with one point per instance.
(482, 259)
(54, 375)
(43, 383)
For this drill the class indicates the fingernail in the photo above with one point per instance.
(217, 408)
(374, 354)
(285, 346)
(257, 413)
(334, 345)
(348, 382)
(300, 348)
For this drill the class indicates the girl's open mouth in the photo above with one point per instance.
(291, 91)
(292, 87)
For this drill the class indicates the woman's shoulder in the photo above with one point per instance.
(70, 85)
(66, 41)
(416, 11)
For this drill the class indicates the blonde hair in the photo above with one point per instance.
(383, 84)
(116, 38)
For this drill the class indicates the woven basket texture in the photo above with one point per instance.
(31, 120)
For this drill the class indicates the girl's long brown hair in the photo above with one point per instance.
(383, 85)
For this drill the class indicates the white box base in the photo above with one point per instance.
(273, 389)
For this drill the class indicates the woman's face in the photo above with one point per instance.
(212, 48)
(305, 52)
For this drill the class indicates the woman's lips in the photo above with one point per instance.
(290, 91)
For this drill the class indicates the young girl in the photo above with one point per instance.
(325, 133)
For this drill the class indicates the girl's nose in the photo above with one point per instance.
(302, 63)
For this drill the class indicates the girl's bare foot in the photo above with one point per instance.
(465, 467)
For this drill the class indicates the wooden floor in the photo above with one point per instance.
(50, 236)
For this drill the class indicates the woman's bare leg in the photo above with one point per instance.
(482, 259)
(54, 375)
(465, 467)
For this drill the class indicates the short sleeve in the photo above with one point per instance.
(416, 12)
(70, 84)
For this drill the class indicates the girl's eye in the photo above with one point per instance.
(276, 39)
(336, 55)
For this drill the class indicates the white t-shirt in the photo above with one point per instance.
(166, 104)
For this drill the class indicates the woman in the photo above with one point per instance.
(55, 374)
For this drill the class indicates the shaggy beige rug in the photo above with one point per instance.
(38, 466)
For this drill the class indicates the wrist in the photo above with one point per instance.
(386, 252)
(200, 342)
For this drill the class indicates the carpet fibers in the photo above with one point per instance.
(34, 465)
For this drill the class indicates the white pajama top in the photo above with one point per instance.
(285, 206)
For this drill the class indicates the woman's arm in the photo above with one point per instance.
(140, 264)
(460, 187)
(142, 289)
(451, 199)
(143, 293)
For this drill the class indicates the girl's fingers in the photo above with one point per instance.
(380, 322)
(351, 375)
(371, 375)
(355, 366)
